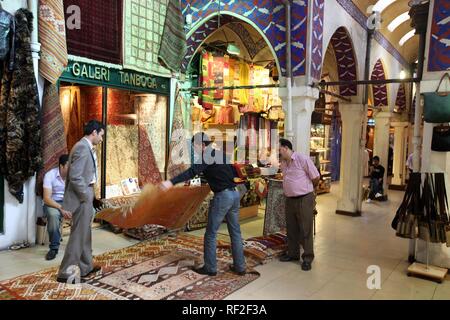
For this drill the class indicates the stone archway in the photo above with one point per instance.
(346, 60)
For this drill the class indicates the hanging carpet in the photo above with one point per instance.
(173, 47)
(101, 26)
(150, 270)
(148, 168)
(53, 140)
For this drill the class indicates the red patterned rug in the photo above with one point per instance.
(151, 270)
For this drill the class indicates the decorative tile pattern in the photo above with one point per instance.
(360, 17)
(379, 90)
(317, 39)
(253, 47)
(439, 54)
(400, 102)
(263, 13)
(143, 28)
(345, 57)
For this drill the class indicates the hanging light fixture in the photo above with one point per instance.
(233, 49)
(402, 74)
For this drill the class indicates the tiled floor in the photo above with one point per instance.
(344, 246)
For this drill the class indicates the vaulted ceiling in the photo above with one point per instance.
(391, 9)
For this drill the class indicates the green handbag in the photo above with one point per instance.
(437, 105)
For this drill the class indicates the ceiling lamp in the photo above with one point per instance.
(398, 21)
(233, 49)
(381, 5)
(406, 37)
(402, 74)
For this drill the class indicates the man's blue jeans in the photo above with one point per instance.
(224, 204)
(54, 220)
(375, 187)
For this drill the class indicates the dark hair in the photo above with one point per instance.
(286, 143)
(201, 136)
(63, 159)
(376, 158)
(92, 126)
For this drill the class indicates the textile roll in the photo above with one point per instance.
(53, 138)
(52, 36)
(173, 41)
(148, 169)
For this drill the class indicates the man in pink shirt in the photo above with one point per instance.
(300, 177)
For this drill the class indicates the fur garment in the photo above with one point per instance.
(20, 153)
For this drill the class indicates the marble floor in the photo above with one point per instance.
(345, 248)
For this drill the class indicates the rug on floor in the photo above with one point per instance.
(151, 270)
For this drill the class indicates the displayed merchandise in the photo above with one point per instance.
(146, 232)
(200, 219)
(171, 209)
(20, 140)
(441, 139)
(275, 216)
(437, 104)
(143, 28)
(101, 23)
(121, 148)
(152, 114)
(425, 214)
(52, 37)
(53, 139)
(179, 157)
(173, 47)
(7, 32)
(320, 152)
(150, 270)
(130, 186)
(114, 191)
(149, 172)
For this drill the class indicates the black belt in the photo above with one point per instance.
(302, 196)
(229, 189)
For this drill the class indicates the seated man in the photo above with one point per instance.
(54, 185)
(376, 179)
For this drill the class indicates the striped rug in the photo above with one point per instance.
(52, 36)
(53, 138)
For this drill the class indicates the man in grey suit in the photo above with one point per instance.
(78, 199)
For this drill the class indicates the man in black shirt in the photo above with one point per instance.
(219, 173)
(376, 179)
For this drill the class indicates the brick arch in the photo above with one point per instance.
(400, 101)
(380, 94)
(346, 60)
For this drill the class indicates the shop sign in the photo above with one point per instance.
(102, 75)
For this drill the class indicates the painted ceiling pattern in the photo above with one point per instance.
(253, 47)
(317, 39)
(400, 102)
(346, 61)
(439, 54)
(267, 15)
(379, 90)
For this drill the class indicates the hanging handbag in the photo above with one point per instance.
(437, 105)
(441, 139)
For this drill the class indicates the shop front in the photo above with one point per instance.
(134, 107)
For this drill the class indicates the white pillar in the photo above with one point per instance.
(400, 129)
(303, 101)
(352, 119)
(381, 141)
